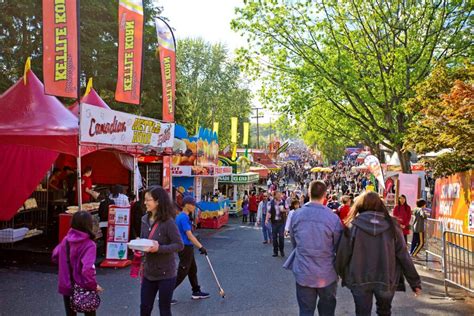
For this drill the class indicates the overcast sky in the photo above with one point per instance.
(209, 19)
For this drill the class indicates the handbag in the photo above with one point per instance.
(136, 268)
(82, 300)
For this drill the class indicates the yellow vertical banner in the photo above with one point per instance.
(233, 129)
(246, 133)
(234, 152)
(215, 127)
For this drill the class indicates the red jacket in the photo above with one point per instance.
(253, 203)
(403, 214)
(343, 212)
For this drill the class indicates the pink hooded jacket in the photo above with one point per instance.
(83, 255)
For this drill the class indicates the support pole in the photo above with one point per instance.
(79, 178)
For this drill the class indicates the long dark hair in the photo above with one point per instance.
(370, 201)
(82, 221)
(403, 196)
(166, 208)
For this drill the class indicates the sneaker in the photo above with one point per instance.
(174, 302)
(265, 242)
(275, 255)
(199, 295)
(282, 253)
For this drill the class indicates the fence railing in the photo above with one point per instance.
(458, 255)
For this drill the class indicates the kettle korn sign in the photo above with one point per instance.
(104, 126)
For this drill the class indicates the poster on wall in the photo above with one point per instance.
(453, 201)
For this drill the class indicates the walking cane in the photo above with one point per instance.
(221, 290)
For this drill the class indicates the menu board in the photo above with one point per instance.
(118, 232)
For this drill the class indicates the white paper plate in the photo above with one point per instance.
(140, 244)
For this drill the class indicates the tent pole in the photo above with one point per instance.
(79, 178)
(135, 182)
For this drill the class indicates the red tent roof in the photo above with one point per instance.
(91, 98)
(30, 117)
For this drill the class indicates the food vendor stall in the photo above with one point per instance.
(235, 186)
(195, 172)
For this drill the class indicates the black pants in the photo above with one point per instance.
(187, 268)
(69, 311)
(278, 236)
(244, 219)
(148, 295)
(253, 217)
(308, 296)
(363, 301)
(417, 243)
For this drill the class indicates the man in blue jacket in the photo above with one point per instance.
(315, 231)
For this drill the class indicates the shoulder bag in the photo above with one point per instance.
(82, 300)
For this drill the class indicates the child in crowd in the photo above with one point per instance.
(295, 204)
(344, 208)
(418, 240)
(245, 210)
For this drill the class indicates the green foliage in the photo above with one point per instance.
(444, 119)
(21, 37)
(209, 85)
(358, 59)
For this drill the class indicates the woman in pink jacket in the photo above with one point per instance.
(402, 211)
(82, 258)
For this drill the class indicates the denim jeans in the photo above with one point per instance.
(148, 295)
(363, 301)
(266, 229)
(308, 296)
(278, 236)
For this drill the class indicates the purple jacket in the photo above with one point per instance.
(83, 253)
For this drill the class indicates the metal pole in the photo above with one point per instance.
(79, 178)
(258, 127)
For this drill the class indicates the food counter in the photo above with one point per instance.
(66, 218)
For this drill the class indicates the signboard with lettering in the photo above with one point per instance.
(453, 201)
(242, 178)
(60, 48)
(105, 126)
(209, 171)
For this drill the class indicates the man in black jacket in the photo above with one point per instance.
(277, 217)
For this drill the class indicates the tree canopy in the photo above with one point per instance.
(444, 119)
(359, 59)
(209, 86)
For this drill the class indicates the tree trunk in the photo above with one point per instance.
(404, 160)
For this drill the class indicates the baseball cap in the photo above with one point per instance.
(189, 200)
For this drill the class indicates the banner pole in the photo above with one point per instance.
(79, 166)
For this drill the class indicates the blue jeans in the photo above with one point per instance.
(363, 301)
(278, 236)
(148, 295)
(266, 229)
(308, 296)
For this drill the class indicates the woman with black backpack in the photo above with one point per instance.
(372, 256)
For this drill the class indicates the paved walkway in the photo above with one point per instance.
(253, 280)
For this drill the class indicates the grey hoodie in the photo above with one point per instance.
(370, 257)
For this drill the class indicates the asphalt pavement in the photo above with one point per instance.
(254, 282)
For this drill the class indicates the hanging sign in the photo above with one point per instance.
(60, 48)
(105, 126)
(130, 51)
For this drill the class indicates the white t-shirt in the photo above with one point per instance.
(288, 220)
(120, 200)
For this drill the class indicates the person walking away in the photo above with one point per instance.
(402, 211)
(159, 273)
(187, 264)
(418, 240)
(276, 216)
(315, 229)
(119, 198)
(334, 203)
(372, 256)
(295, 204)
(345, 208)
(261, 219)
(76, 253)
(253, 207)
(245, 210)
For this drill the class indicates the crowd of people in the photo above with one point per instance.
(339, 228)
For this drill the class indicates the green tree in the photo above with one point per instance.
(359, 58)
(444, 119)
(209, 86)
(21, 36)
